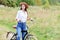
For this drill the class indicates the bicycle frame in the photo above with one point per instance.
(15, 34)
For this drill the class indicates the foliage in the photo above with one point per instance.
(14, 3)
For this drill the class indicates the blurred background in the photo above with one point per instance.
(15, 3)
(46, 15)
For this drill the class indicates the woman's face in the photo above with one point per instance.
(23, 7)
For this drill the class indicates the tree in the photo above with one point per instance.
(47, 4)
(38, 2)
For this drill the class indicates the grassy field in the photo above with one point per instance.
(46, 25)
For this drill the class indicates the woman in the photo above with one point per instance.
(21, 18)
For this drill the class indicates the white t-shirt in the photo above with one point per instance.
(21, 16)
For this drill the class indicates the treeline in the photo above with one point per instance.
(10, 3)
(14, 3)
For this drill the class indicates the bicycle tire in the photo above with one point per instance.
(30, 37)
(11, 35)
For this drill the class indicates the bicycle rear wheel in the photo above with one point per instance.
(30, 37)
(11, 36)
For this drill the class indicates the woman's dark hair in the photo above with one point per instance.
(26, 5)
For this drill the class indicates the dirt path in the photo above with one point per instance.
(3, 32)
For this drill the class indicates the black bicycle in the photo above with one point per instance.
(12, 36)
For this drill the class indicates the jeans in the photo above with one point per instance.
(21, 26)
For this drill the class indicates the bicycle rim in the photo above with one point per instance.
(30, 37)
(11, 36)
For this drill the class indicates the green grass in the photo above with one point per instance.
(46, 25)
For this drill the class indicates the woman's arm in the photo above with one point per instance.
(17, 17)
(28, 18)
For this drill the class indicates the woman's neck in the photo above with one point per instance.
(23, 10)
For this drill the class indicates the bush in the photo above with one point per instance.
(30, 2)
(14, 3)
(46, 4)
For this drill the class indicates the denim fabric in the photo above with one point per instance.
(21, 26)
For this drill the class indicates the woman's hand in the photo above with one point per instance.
(31, 19)
(28, 18)
(18, 20)
(14, 26)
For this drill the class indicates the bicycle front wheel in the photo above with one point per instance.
(30, 37)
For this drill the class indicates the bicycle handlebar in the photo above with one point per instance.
(14, 26)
